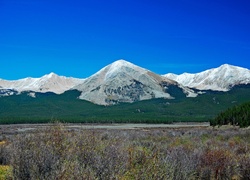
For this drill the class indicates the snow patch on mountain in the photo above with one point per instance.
(7, 92)
(222, 78)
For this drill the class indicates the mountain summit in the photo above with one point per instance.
(216, 79)
(47, 83)
(123, 81)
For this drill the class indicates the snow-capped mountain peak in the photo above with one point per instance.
(218, 79)
(50, 75)
(120, 63)
(47, 83)
(123, 81)
(122, 66)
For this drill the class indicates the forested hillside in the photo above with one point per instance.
(237, 115)
(67, 107)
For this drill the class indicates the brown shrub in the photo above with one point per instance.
(57, 152)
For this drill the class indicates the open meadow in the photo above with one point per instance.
(65, 151)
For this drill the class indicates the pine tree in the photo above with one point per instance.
(238, 115)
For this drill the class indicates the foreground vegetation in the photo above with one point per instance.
(57, 152)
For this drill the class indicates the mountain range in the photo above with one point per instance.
(123, 81)
(47, 83)
(222, 78)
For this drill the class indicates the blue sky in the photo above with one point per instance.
(77, 38)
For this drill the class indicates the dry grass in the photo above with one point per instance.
(183, 153)
(5, 172)
(2, 143)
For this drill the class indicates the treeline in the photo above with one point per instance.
(238, 115)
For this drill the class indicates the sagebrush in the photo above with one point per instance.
(57, 152)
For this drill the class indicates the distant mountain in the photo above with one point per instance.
(123, 81)
(222, 78)
(165, 98)
(47, 83)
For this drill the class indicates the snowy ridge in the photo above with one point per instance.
(216, 79)
(47, 83)
(123, 81)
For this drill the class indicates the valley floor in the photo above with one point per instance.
(19, 128)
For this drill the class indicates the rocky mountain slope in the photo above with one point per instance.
(222, 78)
(123, 81)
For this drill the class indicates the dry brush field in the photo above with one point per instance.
(60, 152)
